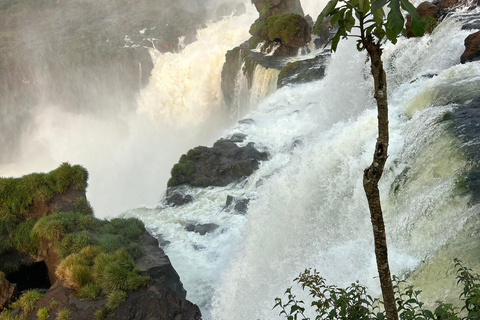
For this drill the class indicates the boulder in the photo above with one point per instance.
(472, 48)
(444, 4)
(202, 229)
(291, 29)
(240, 205)
(426, 11)
(220, 165)
(175, 197)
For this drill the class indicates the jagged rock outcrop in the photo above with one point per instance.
(472, 48)
(7, 291)
(52, 223)
(163, 298)
(220, 165)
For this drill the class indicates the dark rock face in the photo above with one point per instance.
(7, 292)
(175, 197)
(303, 71)
(220, 165)
(472, 48)
(163, 298)
(202, 229)
(240, 205)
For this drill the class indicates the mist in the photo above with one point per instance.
(108, 86)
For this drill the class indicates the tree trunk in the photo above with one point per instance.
(374, 172)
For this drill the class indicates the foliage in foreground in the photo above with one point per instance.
(353, 303)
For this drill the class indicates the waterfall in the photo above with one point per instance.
(307, 205)
(264, 83)
(129, 153)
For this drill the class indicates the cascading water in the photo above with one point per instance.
(307, 205)
(128, 153)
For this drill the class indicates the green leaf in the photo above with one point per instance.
(395, 19)
(377, 5)
(335, 40)
(327, 10)
(378, 16)
(350, 21)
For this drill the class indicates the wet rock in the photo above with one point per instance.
(240, 205)
(202, 229)
(443, 4)
(303, 71)
(246, 121)
(472, 48)
(220, 165)
(175, 197)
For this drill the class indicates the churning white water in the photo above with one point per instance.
(129, 153)
(307, 205)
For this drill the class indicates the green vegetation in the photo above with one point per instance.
(96, 257)
(42, 313)
(284, 27)
(115, 298)
(26, 303)
(184, 168)
(63, 314)
(101, 313)
(430, 23)
(331, 302)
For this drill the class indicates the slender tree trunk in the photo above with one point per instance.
(374, 172)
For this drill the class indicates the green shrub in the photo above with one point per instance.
(27, 301)
(101, 314)
(53, 227)
(63, 314)
(6, 314)
(89, 292)
(73, 243)
(24, 239)
(331, 302)
(82, 206)
(53, 304)
(115, 298)
(134, 250)
(283, 27)
(131, 228)
(116, 272)
(75, 270)
(42, 313)
(111, 242)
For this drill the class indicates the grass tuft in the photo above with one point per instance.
(27, 301)
(42, 313)
(63, 314)
(115, 298)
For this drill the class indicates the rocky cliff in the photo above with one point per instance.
(90, 268)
